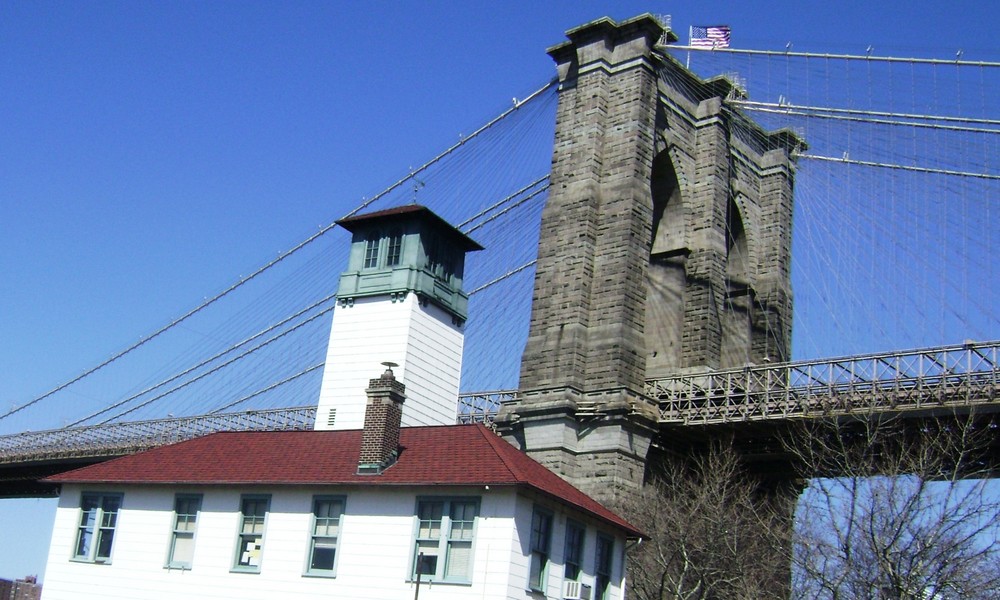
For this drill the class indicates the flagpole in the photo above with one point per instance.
(687, 63)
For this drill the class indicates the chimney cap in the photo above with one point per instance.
(383, 417)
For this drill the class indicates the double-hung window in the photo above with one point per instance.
(394, 255)
(186, 507)
(602, 566)
(327, 511)
(575, 533)
(541, 541)
(96, 530)
(445, 532)
(372, 243)
(250, 539)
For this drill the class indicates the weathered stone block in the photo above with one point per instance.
(665, 246)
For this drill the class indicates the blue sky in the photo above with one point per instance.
(151, 152)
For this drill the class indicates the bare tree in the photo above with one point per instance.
(896, 509)
(715, 534)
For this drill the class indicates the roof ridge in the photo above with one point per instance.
(330, 458)
(581, 500)
(495, 441)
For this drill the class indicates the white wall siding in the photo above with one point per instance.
(422, 340)
(374, 552)
(362, 336)
(432, 367)
(520, 558)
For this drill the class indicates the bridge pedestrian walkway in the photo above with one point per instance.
(926, 382)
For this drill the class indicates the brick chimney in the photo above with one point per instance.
(383, 414)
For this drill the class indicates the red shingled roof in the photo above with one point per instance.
(443, 455)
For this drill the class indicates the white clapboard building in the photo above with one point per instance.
(361, 507)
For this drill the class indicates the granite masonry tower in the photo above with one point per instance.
(665, 248)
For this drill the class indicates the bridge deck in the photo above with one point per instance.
(928, 381)
(117, 439)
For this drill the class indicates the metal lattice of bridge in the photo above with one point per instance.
(927, 381)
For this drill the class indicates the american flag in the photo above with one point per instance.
(709, 36)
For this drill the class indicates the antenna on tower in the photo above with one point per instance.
(417, 184)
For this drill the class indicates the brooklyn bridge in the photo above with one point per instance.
(718, 240)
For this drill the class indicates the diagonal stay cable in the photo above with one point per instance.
(506, 275)
(282, 256)
(172, 324)
(209, 372)
(274, 385)
(500, 203)
(506, 210)
(209, 360)
(456, 146)
(780, 110)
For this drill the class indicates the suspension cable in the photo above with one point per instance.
(506, 210)
(864, 57)
(274, 385)
(784, 110)
(413, 173)
(751, 105)
(281, 257)
(204, 362)
(510, 273)
(205, 374)
(499, 203)
(868, 163)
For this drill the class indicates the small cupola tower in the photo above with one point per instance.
(400, 300)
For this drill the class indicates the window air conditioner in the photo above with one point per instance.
(574, 590)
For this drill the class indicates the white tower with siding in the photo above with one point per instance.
(401, 301)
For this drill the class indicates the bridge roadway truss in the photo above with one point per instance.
(927, 382)
(27, 457)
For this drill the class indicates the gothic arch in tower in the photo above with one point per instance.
(666, 279)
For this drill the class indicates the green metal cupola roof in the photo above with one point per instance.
(406, 249)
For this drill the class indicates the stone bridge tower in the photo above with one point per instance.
(665, 248)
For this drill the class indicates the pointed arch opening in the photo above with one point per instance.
(737, 314)
(668, 210)
(737, 251)
(667, 281)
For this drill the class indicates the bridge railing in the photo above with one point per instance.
(924, 380)
(116, 439)
(482, 407)
(920, 380)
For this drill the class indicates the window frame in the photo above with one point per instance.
(394, 250)
(241, 533)
(446, 538)
(95, 530)
(603, 573)
(314, 535)
(176, 532)
(573, 554)
(540, 549)
(373, 250)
